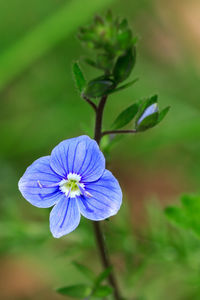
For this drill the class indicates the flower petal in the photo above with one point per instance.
(105, 200)
(79, 155)
(64, 217)
(40, 171)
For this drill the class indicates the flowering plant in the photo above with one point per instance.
(73, 179)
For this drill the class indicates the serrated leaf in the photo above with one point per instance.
(79, 77)
(124, 86)
(85, 271)
(124, 66)
(76, 291)
(163, 113)
(102, 276)
(98, 87)
(102, 291)
(126, 116)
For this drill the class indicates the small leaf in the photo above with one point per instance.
(186, 216)
(124, 66)
(79, 77)
(122, 87)
(102, 291)
(85, 271)
(75, 291)
(124, 38)
(163, 113)
(102, 276)
(126, 116)
(98, 87)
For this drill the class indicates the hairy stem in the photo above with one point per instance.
(97, 226)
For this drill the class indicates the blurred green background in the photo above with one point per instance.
(40, 107)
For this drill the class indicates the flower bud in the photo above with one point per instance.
(153, 108)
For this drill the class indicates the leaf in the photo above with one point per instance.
(75, 291)
(163, 113)
(102, 276)
(122, 87)
(102, 291)
(79, 77)
(124, 38)
(98, 87)
(85, 271)
(187, 215)
(124, 66)
(126, 116)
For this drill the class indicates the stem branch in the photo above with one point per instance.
(118, 132)
(92, 104)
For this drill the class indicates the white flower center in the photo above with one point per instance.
(71, 186)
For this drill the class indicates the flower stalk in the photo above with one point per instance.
(97, 226)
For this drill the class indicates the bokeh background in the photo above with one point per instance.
(40, 106)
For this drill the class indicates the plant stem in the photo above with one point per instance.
(99, 118)
(97, 226)
(118, 132)
(92, 104)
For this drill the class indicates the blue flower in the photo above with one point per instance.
(73, 180)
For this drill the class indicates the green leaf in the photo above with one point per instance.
(124, 66)
(102, 276)
(126, 116)
(75, 291)
(98, 87)
(85, 271)
(187, 215)
(124, 38)
(79, 77)
(148, 122)
(124, 86)
(163, 113)
(102, 291)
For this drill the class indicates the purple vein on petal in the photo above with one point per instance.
(67, 196)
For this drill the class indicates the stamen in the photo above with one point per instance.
(72, 186)
(84, 192)
(47, 186)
